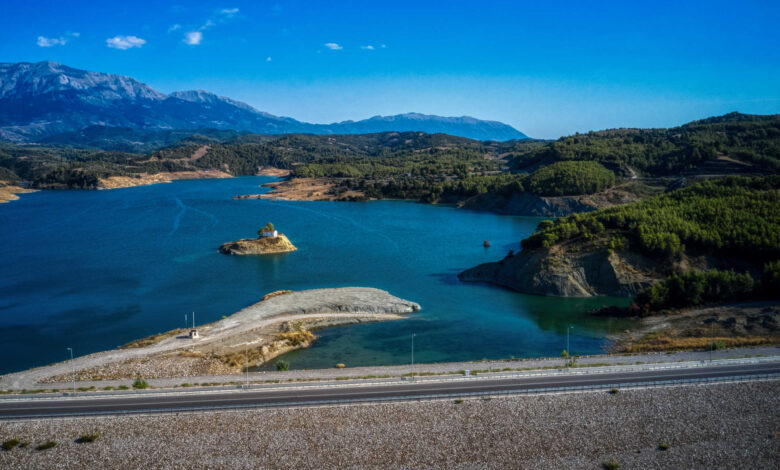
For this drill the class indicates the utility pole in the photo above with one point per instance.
(185, 321)
(72, 369)
(412, 356)
(568, 351)
(193, 320)
(246, 351)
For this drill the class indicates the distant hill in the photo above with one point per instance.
(732, 143)
(45, 99)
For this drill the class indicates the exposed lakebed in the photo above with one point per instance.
(95, 269)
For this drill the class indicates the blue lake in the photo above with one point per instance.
(95, 269)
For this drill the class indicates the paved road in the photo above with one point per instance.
(312, 394)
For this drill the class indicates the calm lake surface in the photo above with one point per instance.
(95, 269)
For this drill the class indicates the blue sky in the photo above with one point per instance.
(547, 68)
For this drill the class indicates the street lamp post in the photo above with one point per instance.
(712, 340)
(246, 351)
(568, 350)
(72, 369)
(412, 356)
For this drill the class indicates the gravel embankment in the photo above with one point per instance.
(433, 368)
(706, 426)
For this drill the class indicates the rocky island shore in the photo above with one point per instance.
(278, 324)
(269, 241)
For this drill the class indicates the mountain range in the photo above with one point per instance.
(41, 100)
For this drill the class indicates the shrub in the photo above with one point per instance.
(10, 444)
(718, 344)
(87, 438)
(663, 446)
(282, 366)
(46, 445)
(611, 464)
(459, 401)
(123, 387)
(140, 383)
(614, 391)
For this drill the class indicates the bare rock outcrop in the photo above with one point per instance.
(566, 274)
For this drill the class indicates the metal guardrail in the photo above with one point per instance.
(582, 369)
(438, 396)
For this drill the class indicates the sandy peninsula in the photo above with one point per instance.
(273, 326)
(305, 189)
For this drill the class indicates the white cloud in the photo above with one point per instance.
(43, 41)
(208, 24)
(193, 38)
(229, 12)
(367, 48)
(174, 27)
(383, 46)
(125, 42)
(49, 42)
(333, 46)
(268, 59)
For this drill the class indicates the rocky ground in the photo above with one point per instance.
(697, 426)
(746, 324)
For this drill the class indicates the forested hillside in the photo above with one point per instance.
(748, 138)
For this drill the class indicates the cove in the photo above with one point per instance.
(93, 270)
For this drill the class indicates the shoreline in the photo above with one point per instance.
(144, 179)
(305, 189)
(10, 192)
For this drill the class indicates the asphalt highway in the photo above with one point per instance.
(265, 396)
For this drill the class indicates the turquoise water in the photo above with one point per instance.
(95, 269)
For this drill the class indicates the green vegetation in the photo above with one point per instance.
(739, 216)
(86, 438)
(46, 445)
(570, 178)
(140, 383)
(611, 464)
(696, 288)
(282, 365)
(663, 446)
(10, 444)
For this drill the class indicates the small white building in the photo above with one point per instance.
(194, 334)
(269, 233)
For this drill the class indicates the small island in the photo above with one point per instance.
(269, 241)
